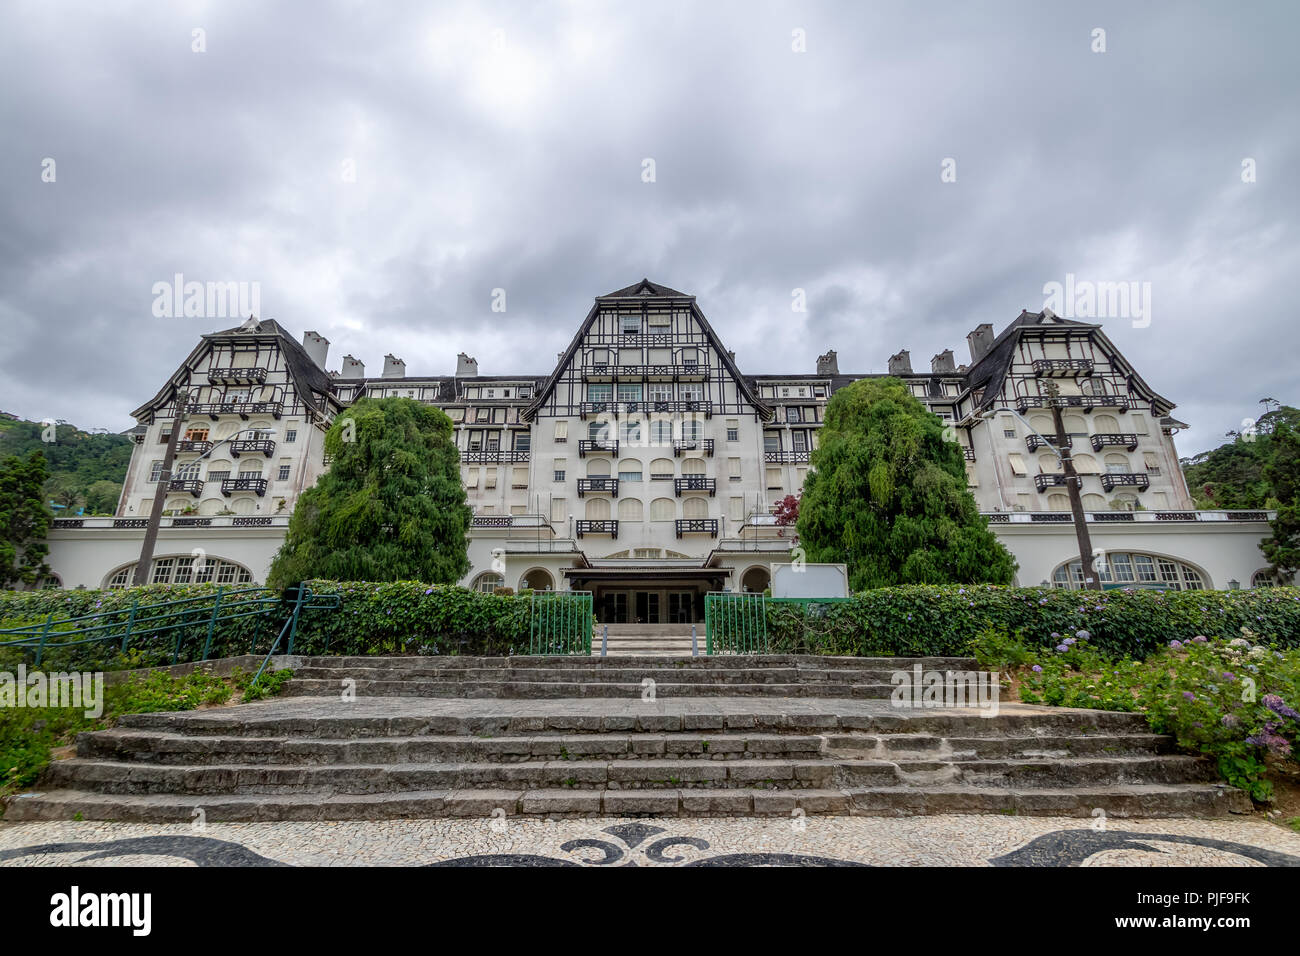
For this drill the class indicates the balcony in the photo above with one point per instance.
(968, 453)
(1062, 368)
(605, 373)
(592, 486)
(654, 406)
(1122, 440)
(695, 483)
(237, 376)
(597, 408)
(607, 526)
(494, 456)
(595, 446)
(243, 409)
(252, 446)
(201, 447)
(1043, 482)
(785, 457)
(492, 521)
(192, 485)
(1035, 442)
(707, 526)
(693, 444)
(1121, 479)
(231, 485)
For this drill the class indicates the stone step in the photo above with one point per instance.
(613, 673)
(515, 690)
(417, 717)
(727, 662)
(1173, 800)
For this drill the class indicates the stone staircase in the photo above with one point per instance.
(652, 640)
(470, 737)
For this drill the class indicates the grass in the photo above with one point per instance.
(30, 735)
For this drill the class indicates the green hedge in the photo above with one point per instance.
(923, 620)
(408, 617)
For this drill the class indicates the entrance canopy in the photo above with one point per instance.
(635, 594)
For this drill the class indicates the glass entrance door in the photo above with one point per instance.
(647, 607)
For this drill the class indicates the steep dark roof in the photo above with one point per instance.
(643, 288)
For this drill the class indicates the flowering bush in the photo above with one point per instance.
(1232, 699)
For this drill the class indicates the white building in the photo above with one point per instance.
(645, 466)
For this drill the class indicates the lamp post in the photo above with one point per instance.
(1060, 447)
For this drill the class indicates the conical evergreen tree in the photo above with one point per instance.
(392, 506)
(887, 495)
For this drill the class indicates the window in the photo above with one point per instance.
(661, 432)
(660, 392)
(557, 509)
(559, 475)
(773, 478)
(482, 414)
(597, 509)
(283, 474)
(1116, 464)
(488, 583)
(561, 432)
(691, 430)
(1151, 463)
(290, 435)
(662, 509)
(660, 321)
(196, 434)
(733, 430)
(471, 478)
(771, 441)
(491, 479)
(1008, 433)
(629, 392)
(215, 475)
(188, 472)
(599, 392)
(733, 469)
(630, 509)
(793, 415)
(519, 477)
(785, 393)
(1017, 465)
(1131, 569)
(692, 391)
(661, 469)
(799, 441)
(693, 466)
(695, 508)
(629, 470)
(155, 471)
(629, 324)
(736, 509)
(560, 464)
(632, 433)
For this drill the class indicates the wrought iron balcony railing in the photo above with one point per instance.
(607, 526)
(785, 457)
(968, 453)
(1121, 403)
(646, 407)
(192, 485)
(494, 456)
(231, 485)
(1034, 442)
(1122, 440)
(237, 376)
(243, 409)
(186, 445)
(707, 526)
(595, 446)
(252, 446)
(695, 483)
(588, 486)
(1043, 482)
(704, 445)
(1120, 479)
(1062, 368)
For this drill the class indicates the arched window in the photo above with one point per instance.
(632, 431)
(695, 508)
(1048, 463)
(629, 469)
(1074, 425)
(692, 429)
(630, 509)
(661, 432)
(1133, 569)
(1085, 464)
(1094, 502)
(661, 468)
(597, 509)
(663, 509)
(1043, 425)
(1058, 502)
(597, 467)
(1103, 424)
(1116, 462)
(693, 466)
(488, 582)
(1264, 578)
(599, 430)
(184, 569)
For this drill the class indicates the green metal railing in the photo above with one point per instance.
(188, 625)
(560, 622)
(735, 623)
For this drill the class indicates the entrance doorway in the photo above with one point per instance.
(647, 607)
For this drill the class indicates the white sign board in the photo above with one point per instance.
(810, 581)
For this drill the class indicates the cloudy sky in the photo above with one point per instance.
(380, 168)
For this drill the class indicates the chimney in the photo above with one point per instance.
(466, 367)
(828, 364)
(394, 367)
(352, 368)
(943, 362)
(980, 341)
(901, 364)
(316, 346)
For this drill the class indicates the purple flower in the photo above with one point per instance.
(1042, 600)
(1230, 720)
(429, 591)
(1188, 695)
(1278, 706)
(1082, 635)
(1037, 669)
(1200, 639)
(1056, 635)
(1068, 641)
(1229, 676)
(1062, 648)
(1175, 644)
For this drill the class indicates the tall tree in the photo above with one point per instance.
(24, 521)
(391, 507)
(887, 495)
(1282, 472)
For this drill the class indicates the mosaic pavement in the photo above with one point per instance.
(812, 841)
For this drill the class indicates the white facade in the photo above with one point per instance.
(645, 465)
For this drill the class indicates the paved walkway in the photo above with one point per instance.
(812, 841)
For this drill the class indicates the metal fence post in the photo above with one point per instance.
(695, 646)
(212, 624)
(40, 650)
(604, 640)
(130, 621)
